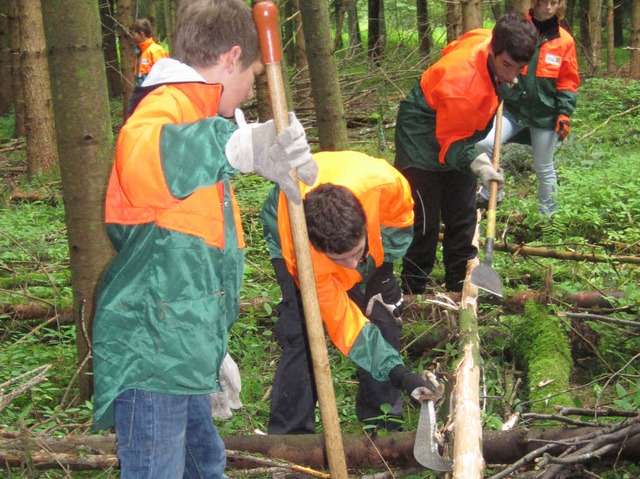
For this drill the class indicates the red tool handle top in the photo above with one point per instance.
(265, 16)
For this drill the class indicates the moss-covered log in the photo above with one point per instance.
(543, 350)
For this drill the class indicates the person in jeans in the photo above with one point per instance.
(542, 101)
(359, 216)
(438, 125)
(168, 299)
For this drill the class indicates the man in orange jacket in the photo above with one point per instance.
(438, 124)
(359, 216)
(148, 52)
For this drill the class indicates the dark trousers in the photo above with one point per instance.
(293, 395)
(450, 196)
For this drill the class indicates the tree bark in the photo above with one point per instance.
(124, 19)
(42, 155)
(85, 143)
(16, 77)
(454, 20)
(108, 22)
(6, 95)
(169, 9)
(376, 38)
(634, 63)
(355, 37)
(424, 29)
(471, 14)
(325, 86)
(595, 36)
(393, 449)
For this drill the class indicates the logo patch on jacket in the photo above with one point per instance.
(551, 59)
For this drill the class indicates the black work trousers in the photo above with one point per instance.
(450, 196)
(293, 395)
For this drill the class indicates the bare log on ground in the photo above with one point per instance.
(396, 449)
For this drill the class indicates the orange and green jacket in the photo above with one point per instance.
(168, 298)
(147, 53)
(386, 198)
(548, 85)
(449, 110)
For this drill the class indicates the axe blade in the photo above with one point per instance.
(425, 449)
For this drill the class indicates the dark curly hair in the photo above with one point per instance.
(336, 221)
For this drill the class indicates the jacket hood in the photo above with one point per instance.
(170, 70)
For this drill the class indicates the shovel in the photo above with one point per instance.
(483, 276)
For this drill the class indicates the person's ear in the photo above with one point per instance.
(233, 58)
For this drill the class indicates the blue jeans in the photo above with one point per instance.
(167, 436)
(543, 143)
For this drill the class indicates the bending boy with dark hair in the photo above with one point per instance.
(359, 218)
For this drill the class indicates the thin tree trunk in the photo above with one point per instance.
(376, 40)
(341, 11)
(169, 9)
(16, 76)
(424, 29)
(595, 36)
(355, 38)
(634, 63)
(107, 18)
(454, 20)
(6, 94)
(42, 155)
(85, 143)
(325, 87)
(124, 19)
(471, 14)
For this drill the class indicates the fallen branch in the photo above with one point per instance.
(517, 249)
(40, 375)
(601, 318)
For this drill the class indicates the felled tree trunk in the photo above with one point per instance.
(395, 450)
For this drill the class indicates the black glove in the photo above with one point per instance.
(384, 289)
(414, 385)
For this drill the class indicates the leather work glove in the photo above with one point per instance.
(229, 397)
(483, 169)
(563, 127)
(255, 147)
(417, 387)
(384, 289)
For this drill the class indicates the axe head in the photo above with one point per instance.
(425, 449)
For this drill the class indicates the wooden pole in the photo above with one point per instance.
(265, 15)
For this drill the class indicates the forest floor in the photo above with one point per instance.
(599, 215)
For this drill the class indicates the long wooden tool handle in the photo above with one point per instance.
(265, 15)
(493, 188)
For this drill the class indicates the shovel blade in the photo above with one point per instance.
(425, 449)
(485, 278)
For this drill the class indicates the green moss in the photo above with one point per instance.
(542, 349)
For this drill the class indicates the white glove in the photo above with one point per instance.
(484, 170)
(256, 147)
(229, 397)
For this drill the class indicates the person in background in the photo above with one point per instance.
(542, 101)
(148, 52)
(359, 216)
(438, 125)
(166, 302)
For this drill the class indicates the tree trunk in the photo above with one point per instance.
(355, 37)
(454, 20)
(325, 87)
(520, 6)
(471, 14)
(393, 449)
(340, 12)
(302, 65)
(124, 19)
(170, 7)
(424, 29)
(110, 48)
(622, 11)
(467, 416)
(288, 32)
(595, 36)
(611, 54)
(16, 77)
(634, 63)
(42, 155)
(6, 95)
(85, 146)
(376, 40)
